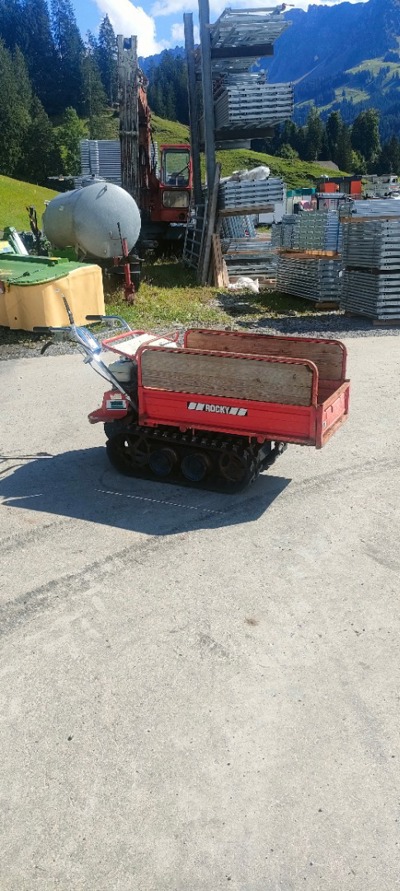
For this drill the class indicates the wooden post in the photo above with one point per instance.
(211, 215)
(208, 100)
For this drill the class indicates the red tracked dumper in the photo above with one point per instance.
(217, 409)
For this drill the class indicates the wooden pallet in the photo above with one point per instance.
(292, 253)
(326, 304)
(385, 323)
(377, 323)
(220, 271)
(371, 218)
(248, 211)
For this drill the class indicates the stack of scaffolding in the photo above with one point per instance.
(371, 254)
(250, 104)
(250, 193)
(245, 252)
(282, 233)
(375, 207)
(309, 262)
(234, 228)
(313, 277)
(101, 157)
(242, 98)
(239, 106)
(315, 230)
(243, 28)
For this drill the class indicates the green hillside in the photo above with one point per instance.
(169, 131)
(294, 173)
(15, 197)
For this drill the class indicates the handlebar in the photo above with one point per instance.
(110, 320)
(88, 344)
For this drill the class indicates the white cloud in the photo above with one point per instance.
(172, 7)
(128, 19)
(178, 34)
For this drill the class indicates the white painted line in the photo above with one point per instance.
(160, 501)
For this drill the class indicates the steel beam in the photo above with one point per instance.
(207, 84)
(194, 115)
(257, 50)
(237, 135)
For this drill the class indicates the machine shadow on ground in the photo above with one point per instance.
(81, 485)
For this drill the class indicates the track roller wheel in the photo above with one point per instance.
(195, 466)
(128, 452)
(233, 467)
(162, 461)
(140, 451)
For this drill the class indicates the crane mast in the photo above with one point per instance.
(161, 189)
(128, 80)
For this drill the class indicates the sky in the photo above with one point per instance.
(158, 24)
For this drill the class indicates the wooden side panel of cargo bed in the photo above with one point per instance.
(328, 356)
(236, 377)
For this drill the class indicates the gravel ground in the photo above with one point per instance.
(23, 344)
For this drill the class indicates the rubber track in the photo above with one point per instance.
(253, 456)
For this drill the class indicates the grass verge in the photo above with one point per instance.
(169, 295)
(15, 197)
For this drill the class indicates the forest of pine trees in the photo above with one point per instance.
(57, 88)
(355, 148)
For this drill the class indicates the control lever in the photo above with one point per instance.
(111, 319)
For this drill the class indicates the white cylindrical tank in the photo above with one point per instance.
(87, 219)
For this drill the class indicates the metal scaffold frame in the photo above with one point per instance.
(238, 105)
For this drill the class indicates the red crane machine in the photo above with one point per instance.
(158, 178)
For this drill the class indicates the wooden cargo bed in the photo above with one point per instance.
(265, 387)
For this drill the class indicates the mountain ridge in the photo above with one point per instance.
(324, 32)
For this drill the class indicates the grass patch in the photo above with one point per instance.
(170, 296)
(374, 67)
(351, 95)
(15, 197)
(249, 307)
(169, 132)
(295, 173)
